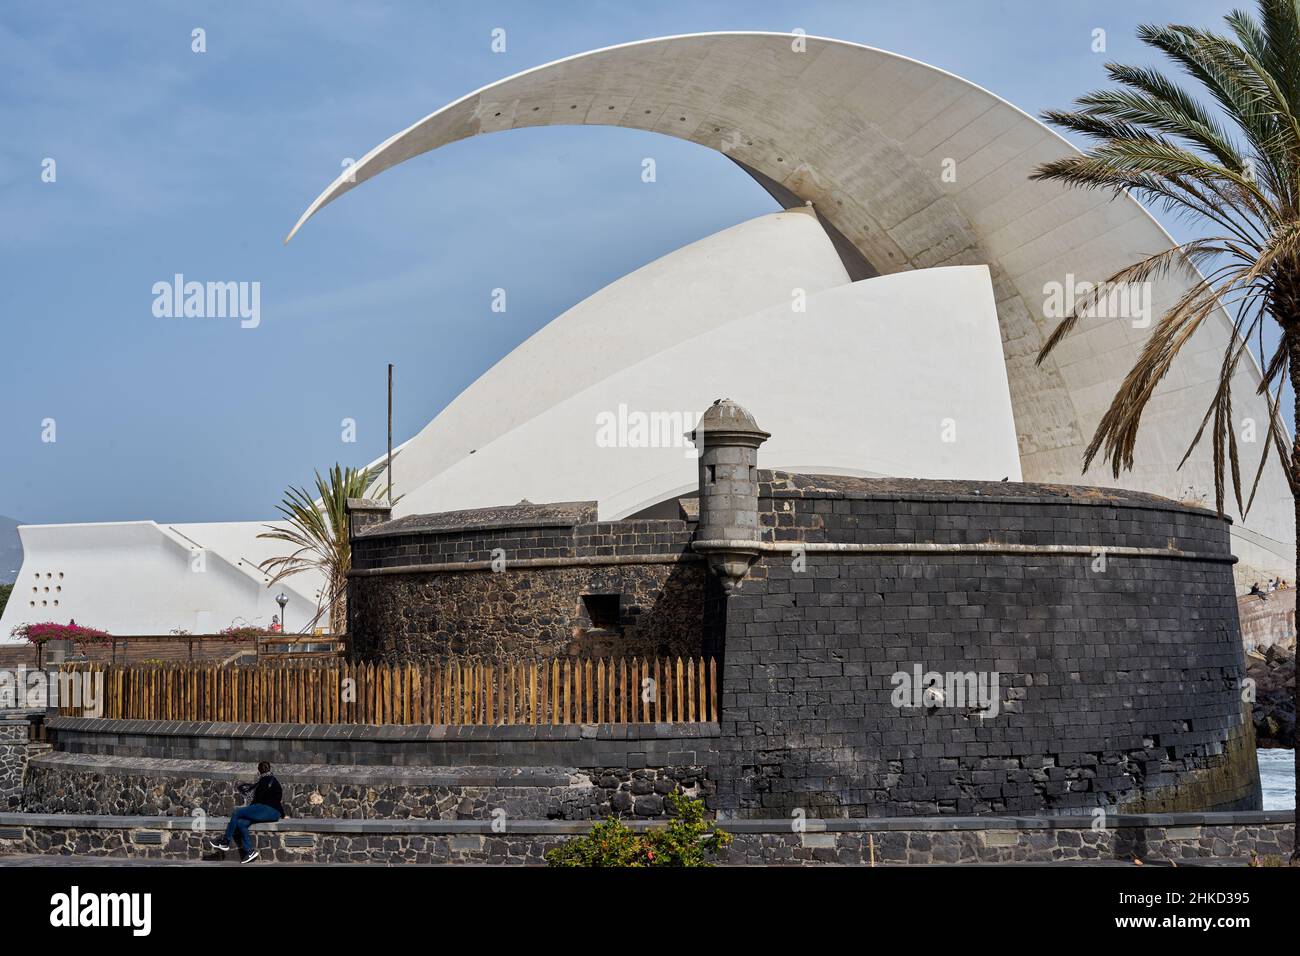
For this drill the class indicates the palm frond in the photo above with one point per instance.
(315, 525)
(1231, 164)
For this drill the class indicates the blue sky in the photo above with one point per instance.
(170, 161)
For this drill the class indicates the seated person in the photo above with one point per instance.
(265, 807)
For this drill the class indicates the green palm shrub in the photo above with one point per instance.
(687, 840)
(318, 531)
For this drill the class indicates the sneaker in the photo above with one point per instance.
(250, 858)
(219, 845)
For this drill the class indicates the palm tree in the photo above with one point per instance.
(1232, 168)
(318, 530)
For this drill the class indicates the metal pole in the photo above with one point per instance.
(390, 433)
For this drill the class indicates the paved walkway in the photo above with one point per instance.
(50, 859)
(36, 859)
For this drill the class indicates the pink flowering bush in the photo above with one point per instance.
(50, 631)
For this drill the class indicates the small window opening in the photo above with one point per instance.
(603, 610)
(713, 474)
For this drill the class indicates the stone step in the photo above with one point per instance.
(58, 782)
(1188, 839)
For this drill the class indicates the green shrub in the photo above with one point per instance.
(687, 840)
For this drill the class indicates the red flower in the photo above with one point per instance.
(43, 631)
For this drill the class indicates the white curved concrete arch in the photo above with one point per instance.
(824, 382)
(868, 136)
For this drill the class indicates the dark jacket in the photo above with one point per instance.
(266, 791)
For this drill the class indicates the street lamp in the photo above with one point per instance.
(282, 600)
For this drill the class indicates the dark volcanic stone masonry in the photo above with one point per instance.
(151, 786)
(537, 612)
(1118, 686)
(1119, 678)
(1181, 837)
(424, 586)
(14, 747)
(1108, 620)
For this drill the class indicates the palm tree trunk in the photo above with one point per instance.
(339, 601)
(1293, 350)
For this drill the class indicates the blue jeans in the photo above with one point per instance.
(241, 818)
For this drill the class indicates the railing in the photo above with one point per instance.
(300, 646)
(212, 648)
(500, 692)
(132, 648)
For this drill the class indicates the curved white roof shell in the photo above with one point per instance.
(916, 168)
(621, 440)
(699, 287)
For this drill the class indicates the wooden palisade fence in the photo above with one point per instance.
(494, 692)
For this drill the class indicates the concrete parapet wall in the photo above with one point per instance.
(1267, 620)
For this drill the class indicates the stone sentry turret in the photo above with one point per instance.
(727, 438)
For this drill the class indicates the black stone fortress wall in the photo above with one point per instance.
(1107, 617)
(525, 580)
(1119, 682)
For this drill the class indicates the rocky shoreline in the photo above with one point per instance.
(1273, 712)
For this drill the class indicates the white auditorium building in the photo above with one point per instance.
(884, 322)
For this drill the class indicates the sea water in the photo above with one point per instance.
(1277, 776)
